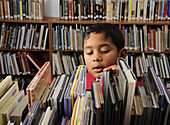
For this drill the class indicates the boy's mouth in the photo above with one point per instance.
(98, 69)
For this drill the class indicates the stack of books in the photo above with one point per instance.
(115, 99)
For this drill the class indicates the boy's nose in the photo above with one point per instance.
(97, 58)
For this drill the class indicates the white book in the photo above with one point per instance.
(141, 40)
(159, 40)
(32, 38)
(56, 39)
(138, 9)
(132, 63)
(150, 10)
(57, 64)
(2, 63)
(71, 37)
(69, 62)
(133, 9)
(14, 104)
(40, 37)
(22, 37)
(45, 39)
(108, 10)
(62, 38)
(75, 38)
(156, 38)
(73, 61)
(166, 38)
(29, 9)
(153, 10)
(165, 65)
(155, 65)
(118, 10)
(16, 64)
(54, 97)
(46, 116)
(162, 67)
(144, 62)
(52, 8)
(11, 70)
(6, 63)
(2, 34)
(145, 9)
(18, 38)
(66, 66)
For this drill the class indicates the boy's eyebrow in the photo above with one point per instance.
(99, 46)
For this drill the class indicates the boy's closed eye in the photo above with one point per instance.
(105, 51)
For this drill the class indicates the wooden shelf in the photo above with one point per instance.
(24, 21)
(59, 21)
(134, 51)
(33, 50)
(68, 51)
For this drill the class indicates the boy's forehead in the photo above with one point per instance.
(94, 38)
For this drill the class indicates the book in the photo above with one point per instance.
(7, 98)
(36, 62)
(20, 112)
(7, 113)
(5, 84)
(129, 85)
(50, 6)
(38, 84)
(54, 98)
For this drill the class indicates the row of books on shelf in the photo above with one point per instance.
(115, 10)
(160, 63)
(139, 38)
(65, 63)
(147, 38)
(28, 36)
(21, 9)
(68, 37)
(66, 99)
(20, 63)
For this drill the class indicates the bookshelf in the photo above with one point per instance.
(67, 53)
(52, 22)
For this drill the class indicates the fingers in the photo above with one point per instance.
(112, 68)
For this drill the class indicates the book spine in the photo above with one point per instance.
(18, 10)
(5, 9)
(2, 9)
(162, 9)
(70, 10)
(8, 7)
(103, 10)
(82, 9)
(11, 9)
(26, 9)
(92, 10)
(15, 8)
(165, 11)
(21, 10)
(26, 61)
(66, 10)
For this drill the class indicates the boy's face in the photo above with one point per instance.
(99, 53)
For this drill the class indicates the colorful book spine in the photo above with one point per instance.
(21, 10)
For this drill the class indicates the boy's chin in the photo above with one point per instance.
(97, 76)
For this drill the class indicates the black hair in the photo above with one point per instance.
(109, 30)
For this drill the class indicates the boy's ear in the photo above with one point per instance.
(123, 53)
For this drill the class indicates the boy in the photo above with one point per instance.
(103, 44)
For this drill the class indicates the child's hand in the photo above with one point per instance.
(112, 69)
